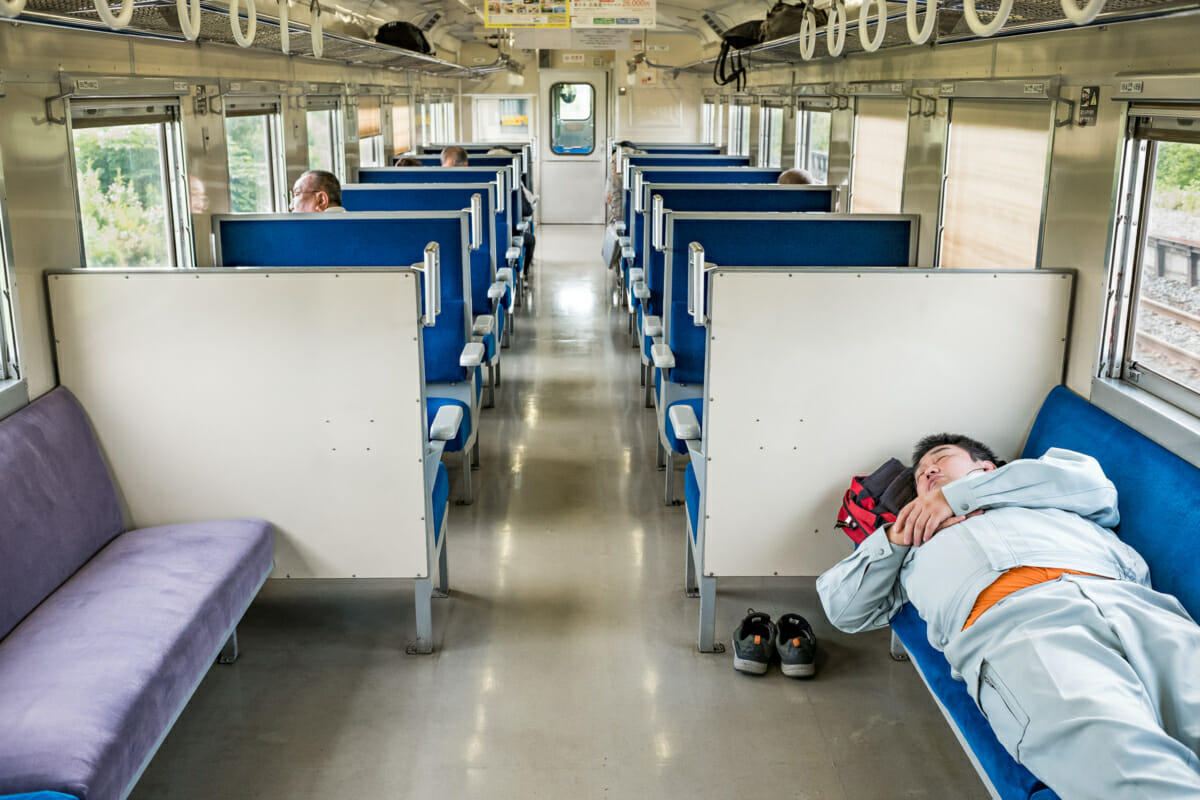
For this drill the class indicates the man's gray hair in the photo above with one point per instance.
(454, 156)
(327, 182)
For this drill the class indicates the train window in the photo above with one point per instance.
(401, 125)
(501, 119)
(708, 119)
(995, 179)
(1154, 342)
(572, 119)
(254, 143)
(812, 142)
(770, 133)
(326, 138)
(370, 133)
(130, 181)
(880, 142)
(739, 130)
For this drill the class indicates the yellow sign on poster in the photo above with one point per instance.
(528, 14)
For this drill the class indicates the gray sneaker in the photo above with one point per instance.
(797, 646)
(754, 643)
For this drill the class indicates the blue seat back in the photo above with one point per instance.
(692, 174)
(833, 240)
(1156, 489)
(725, 197)
(394, 239)
(438, 197)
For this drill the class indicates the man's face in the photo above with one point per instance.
(304, 198)
(946, 464)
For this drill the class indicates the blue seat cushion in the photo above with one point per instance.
(444, 342)
(691, 495)
(93, 677)
(697, 404)
(688, 343)
(441, 496)
(435, 404)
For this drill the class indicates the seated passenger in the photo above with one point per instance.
(317, 190)
(454, 156)
(796, 175)
(1088, 676)
(527, 200)
(407, 161)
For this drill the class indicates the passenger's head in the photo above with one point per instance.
(800, 176)
(500, 151)
(454, 156)
(945, 457)
(316, 190)
(407, 161)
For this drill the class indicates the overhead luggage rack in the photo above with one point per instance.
(1027, 16)
(159, 19)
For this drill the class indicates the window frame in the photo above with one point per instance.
(768, 113)
(167, 113)
(478, 113)
(1127, 261)
(805, 114)
(739, 138)
(590, 118)
(271, 107)
(337, 126)
(10, 361)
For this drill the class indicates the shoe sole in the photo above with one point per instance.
(798, 670)
(748, 665)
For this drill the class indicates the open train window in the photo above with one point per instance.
(880, 145)
(254, 144)
(131, 183)
(770, 137)
(370, 132)
(995, 182)
(1153, 336)
(326, 136)
(739, 129)
(812, 141)
(572, 119)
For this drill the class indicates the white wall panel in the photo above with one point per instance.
(292, 396)
(815, 376)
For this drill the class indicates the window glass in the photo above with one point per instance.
(772, 137)
(1166, 328)
(252, 143)
(739, 130)
(401, 125)
(502, 119)
(995, 174)
(880, 143)
(325, 139)
(812, 142)
(8, 339)
(572, 118)
(708, 118)
(126, 197)
(370, 133)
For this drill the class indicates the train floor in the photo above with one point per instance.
(566, 663)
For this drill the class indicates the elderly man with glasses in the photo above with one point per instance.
(317, 190)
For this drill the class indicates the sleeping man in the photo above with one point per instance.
(1088, 676)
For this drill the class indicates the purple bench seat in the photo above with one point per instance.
(104, 635)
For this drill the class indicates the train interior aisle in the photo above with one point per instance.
(565, 660)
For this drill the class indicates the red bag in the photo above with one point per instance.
(875, 499)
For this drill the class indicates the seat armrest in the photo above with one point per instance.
(472, 355)
(652, 325)
(512, 254)
(662, 356)
(636, 275)
(497, 290)
(446, 423)
(624, 241)
(620, 227)
(628, 253)
(504, 274)
(484, 324)
(640, 290)
(523, 226)
(683, 419)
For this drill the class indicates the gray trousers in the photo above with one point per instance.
(1092, 684)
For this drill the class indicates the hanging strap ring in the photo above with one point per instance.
(317, 30)
(835, 29)
(1082, 16)
(189, 18)
(808, 35)
(11, 8)
(872, 44)
(977, 27)
(118, 21)
(251, 22)
(927, 28)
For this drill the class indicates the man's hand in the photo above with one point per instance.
(921, 519)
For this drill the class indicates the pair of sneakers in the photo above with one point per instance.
(758, 640)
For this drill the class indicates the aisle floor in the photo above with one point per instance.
(566, 662)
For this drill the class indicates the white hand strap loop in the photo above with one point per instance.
(119, 21)
(251, 22)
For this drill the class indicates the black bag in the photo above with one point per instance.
(404, 35)
(784, 20)
(726, 69)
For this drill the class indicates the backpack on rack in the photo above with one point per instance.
(729, 69)
(404, 35)
(875, 499)
(784, 20)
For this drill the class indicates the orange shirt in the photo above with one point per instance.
(1012, 581)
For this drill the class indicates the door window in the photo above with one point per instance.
(573, 119)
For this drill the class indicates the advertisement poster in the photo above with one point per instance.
(528, 14)
(612, 13)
